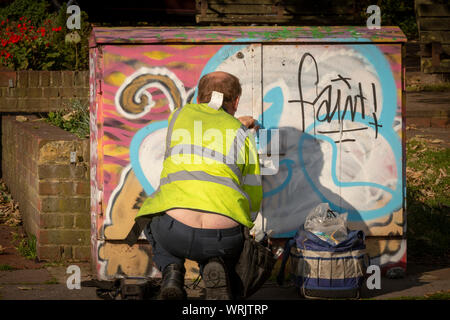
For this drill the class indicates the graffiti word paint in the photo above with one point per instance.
(325, 98)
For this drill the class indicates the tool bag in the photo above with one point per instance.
(323, 270)
(255, 265)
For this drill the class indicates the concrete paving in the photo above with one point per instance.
(50, 284)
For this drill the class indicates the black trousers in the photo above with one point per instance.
(173, 242)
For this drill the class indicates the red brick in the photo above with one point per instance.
(51, 220)
(79, 78)
(5, 76)
(66, 253)
(22, 79)
(83, 221)
(64, 204)
(439, 122)
(51, 92)
(67, 78)
(67, 92)
(422, 122)
(55, 188)
(34, 92)
(65, 237)
(81, 253)
(68, 221)
(49, 252)
(55, 79)
(83, 188)
(33, 79)
(62, 172)
(44, 78)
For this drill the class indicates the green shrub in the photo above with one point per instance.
(74, 118)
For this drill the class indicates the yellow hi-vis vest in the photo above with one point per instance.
(211, 164)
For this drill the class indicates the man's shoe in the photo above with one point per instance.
(216, 281)
(172, 285)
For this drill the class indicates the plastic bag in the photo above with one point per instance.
(326, 224)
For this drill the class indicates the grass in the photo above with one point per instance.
(439, 87)
(434, 296)
(27, 247)
(428, 201)
(6, 267)
(54, 264)
(51, 281)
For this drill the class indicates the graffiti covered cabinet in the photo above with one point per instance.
(334, 93)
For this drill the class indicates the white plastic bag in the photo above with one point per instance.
(326, 224)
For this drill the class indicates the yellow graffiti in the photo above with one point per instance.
(115, 150)
(378, 247)
(182, 46)
(180, 65)
(133, 261)
(124, 208)
(157, 55)
(115, 78)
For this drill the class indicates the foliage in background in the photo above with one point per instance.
(399, 13)
(49, 50)
(428, 201)
(25, 46)
(74, 118)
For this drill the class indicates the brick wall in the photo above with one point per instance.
(53, 193)
(41, 91)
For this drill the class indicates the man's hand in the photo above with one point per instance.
(249, 122)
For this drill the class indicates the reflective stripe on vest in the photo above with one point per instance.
(238, 143)
(186, 149)
(203, 176)
(169, 131)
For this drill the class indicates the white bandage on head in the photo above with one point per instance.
(216, 100)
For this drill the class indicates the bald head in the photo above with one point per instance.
(221, 82)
